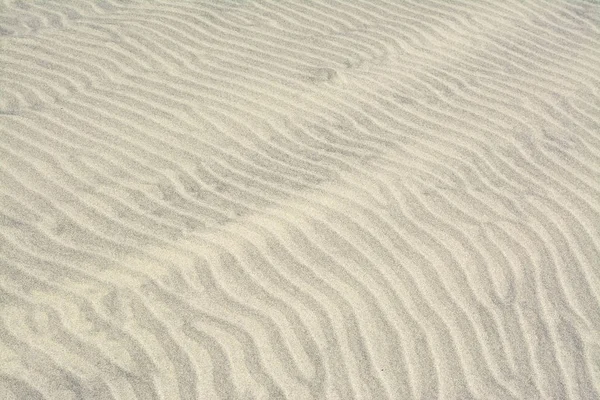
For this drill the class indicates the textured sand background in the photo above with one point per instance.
(300, 199)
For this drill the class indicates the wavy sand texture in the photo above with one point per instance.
(315, 199)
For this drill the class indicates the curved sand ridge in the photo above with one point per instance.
(312, 199)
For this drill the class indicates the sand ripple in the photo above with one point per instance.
(367, 199)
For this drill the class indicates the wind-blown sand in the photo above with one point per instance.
(368, 199)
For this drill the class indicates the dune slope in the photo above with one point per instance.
(368, 199)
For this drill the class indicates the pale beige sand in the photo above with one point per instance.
(313, 199)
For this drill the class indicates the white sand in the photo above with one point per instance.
(326, 199)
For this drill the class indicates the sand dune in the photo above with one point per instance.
(368, 199)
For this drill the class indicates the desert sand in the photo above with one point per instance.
(312, 199)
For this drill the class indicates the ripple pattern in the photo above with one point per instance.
(259, 199)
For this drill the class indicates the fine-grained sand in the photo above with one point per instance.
(301, 199)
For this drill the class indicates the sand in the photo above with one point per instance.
(362, 199)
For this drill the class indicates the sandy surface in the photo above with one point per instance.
(312, 199)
